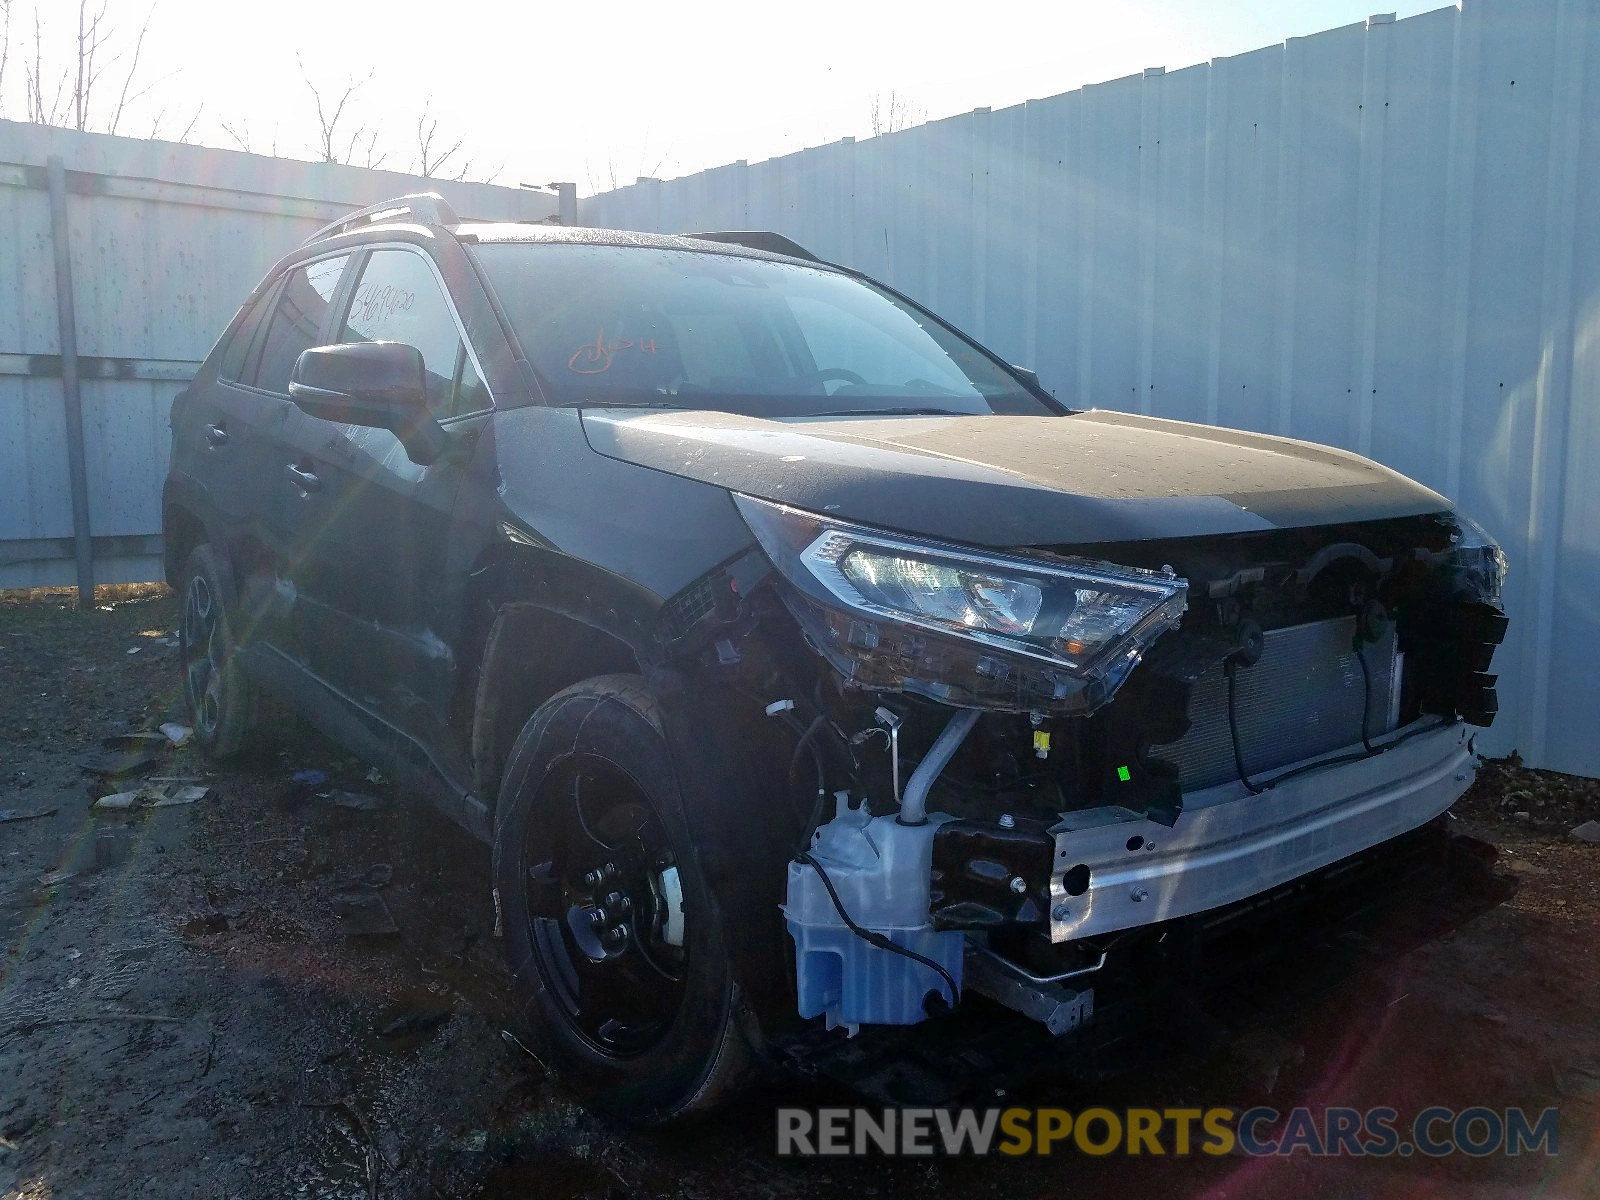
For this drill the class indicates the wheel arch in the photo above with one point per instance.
(184, 525)
(182, 530)
(546, 622)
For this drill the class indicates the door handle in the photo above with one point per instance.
(306, 481)
(216, 436)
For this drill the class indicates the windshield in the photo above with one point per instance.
(627, 325)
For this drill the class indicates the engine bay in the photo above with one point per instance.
(964, 811)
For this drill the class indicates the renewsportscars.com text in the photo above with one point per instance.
(1433, 1132)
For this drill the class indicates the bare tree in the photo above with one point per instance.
(612, 178)
(5, 49)
(336, 141)
(183, 135)
(128, 76)
(75, 94)
(434, 152)
(33, 80)
(893, 112)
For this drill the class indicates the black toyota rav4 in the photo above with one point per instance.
(831, 695)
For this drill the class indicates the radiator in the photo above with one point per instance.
(1302, 698)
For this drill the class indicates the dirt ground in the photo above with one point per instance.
(184, 1011)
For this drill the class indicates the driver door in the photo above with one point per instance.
(370, 570)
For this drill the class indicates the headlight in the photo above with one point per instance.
(963, 626)
(1477, 562)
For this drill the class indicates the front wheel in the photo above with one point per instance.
(610, 932)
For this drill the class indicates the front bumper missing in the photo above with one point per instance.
(1228, 844)
(1179, 987)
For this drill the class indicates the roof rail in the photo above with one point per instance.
(425, 208)
(758, 239)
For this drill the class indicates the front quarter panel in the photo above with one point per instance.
(657, 532)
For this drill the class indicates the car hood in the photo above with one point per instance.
(1013, 480)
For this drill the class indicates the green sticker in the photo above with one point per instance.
(1124, 774)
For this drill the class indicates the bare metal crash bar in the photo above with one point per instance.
(1023, 973)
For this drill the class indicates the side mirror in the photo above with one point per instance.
(1027, 374)
(382, 385)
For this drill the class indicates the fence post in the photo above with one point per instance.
(567, 203)
(72, 401)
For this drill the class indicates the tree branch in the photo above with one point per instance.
(430, 162)
(5, 49)
(328, 122)
(240, 136)
(133, 70)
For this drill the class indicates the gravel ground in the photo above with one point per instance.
(183, 1012)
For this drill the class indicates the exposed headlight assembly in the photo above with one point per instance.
(962, 626)
(1477, 563)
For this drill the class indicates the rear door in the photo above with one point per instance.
(220, 433)
(241, 422)
(370, 568)
(259, 420)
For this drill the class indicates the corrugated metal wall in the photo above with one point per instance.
(166, 240)
(1383, 237)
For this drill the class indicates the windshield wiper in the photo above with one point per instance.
(619, 403)
(890, 412)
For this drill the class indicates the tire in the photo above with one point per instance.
(222, 703)
(639, 1028)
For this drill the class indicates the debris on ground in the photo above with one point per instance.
(112, 847)
(512, 1039)
(414, 1021)
(7, 815)
(302, 786)
(355, 801)
(1589, 831)
(177, 735)
(365, 914)
(134, 756)
(154, 794)
(147, 739)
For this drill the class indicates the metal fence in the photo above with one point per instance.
(158, 244)
(1381, 236)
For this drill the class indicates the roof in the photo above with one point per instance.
(507, 231)
(431, 211)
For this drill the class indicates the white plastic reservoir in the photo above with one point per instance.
(880, 870)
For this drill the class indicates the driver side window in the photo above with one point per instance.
(398, 299)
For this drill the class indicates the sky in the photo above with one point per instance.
(602, 93)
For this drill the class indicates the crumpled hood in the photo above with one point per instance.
(1016, 481)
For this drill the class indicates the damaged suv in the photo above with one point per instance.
(831, 695)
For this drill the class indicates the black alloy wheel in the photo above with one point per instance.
(220, 700)
(605, 906)
(612, 936)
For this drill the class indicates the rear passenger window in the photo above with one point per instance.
(231, 364)
(398, 299)
(302, 304)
